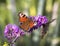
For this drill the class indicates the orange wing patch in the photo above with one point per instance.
(27, 23)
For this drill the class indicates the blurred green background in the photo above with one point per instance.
(9, 14)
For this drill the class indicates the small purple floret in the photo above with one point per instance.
(42, 19)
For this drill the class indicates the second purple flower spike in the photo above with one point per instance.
(12, 32)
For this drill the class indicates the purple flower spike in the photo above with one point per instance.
(12, 31)
(39, 20)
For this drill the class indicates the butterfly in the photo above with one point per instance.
(25, 22)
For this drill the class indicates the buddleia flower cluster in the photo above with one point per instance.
(12, 32)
